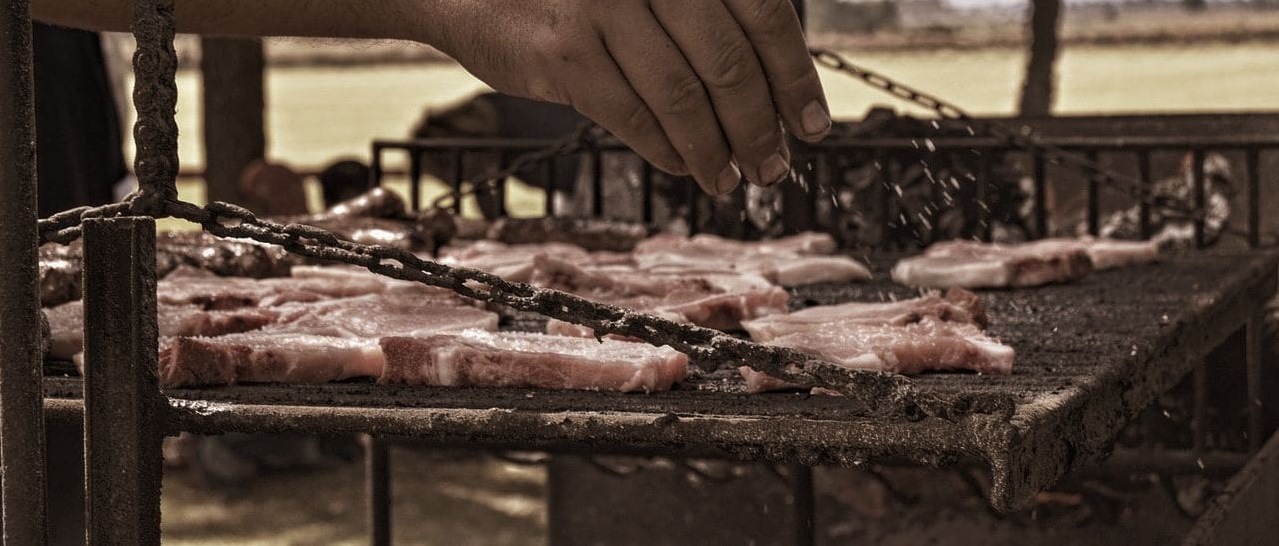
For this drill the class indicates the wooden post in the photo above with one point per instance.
(1037, 90)
(234, 111)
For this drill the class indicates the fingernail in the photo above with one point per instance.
(773, 170)
(815, 119)
(728, 179)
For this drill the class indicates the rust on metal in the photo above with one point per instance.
(21, 406)
(155, 96)
(123, 406)
(377, 481)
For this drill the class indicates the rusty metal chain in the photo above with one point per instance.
(875, 391)
(1024, 140)
(584, 138)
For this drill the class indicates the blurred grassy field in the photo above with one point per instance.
(317, 114)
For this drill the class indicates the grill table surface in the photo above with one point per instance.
(1090, 356)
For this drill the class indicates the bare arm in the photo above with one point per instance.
(701, 87)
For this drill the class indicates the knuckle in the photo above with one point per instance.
(684, 97)
(731, 68)
(636, 120)
(767, 14)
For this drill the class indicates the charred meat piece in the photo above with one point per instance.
(589, 233)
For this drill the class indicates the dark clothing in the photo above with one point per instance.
(79, 154)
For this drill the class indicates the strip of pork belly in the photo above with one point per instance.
(1110, 253)
(969, 264)
(508, 359)
(511, 262)
(784, 261)
(261, 357)
(389, 314)
(66, 323)
(928, 345)
(958, 306)
(714, 299)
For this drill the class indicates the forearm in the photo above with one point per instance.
(379, 19)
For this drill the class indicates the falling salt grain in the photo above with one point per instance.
(936, 125)
(1166, 414)
(1200, 462)
(928, 143)
(897, 189)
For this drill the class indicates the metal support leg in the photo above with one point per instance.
(124, 417)
(1256, 412)
(21, 404)
(378, 484)
(800, 479)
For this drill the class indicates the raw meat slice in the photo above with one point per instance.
(260, 357)
(784, 261)
(357, 278)
(66, 323)
(714, 299)
(187, 286)
(485, 359)
(968, 264)
(959, 305)
(928, 345)
(1110, 253)
(511, 262)
(378, 315)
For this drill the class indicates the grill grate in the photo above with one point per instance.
(1090, 356)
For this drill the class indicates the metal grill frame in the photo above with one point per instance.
(123, 471)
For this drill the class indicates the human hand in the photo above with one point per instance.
(695, 86)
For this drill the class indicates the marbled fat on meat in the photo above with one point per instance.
(507, 359)
(254, 357)
(958, 305)
(928, 345)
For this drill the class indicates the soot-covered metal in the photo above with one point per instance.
(1091, 355)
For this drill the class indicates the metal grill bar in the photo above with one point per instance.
(458, 166)
(415, 182)
(1201, 196)
(1041, 197)
(123, 413)
(1094, 197)
(1253, 167)
(21, 399)
(551, 184)
(378, 488)
(1144, 176)
(597, 183)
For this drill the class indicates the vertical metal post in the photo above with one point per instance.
(375, 167)
(1253, 166)
(980, 203)
(694, 196)
(1041, 197)
(1094, 196)
(1201, 197)
(21, 398)
(123, 418)
(1143, 208)
(597, 183)
(646, 193)
(456, 155)
(1254, 369)
(550, 187)
(1199, 419)
(377, 466)
(801, 484)
(415, 180)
